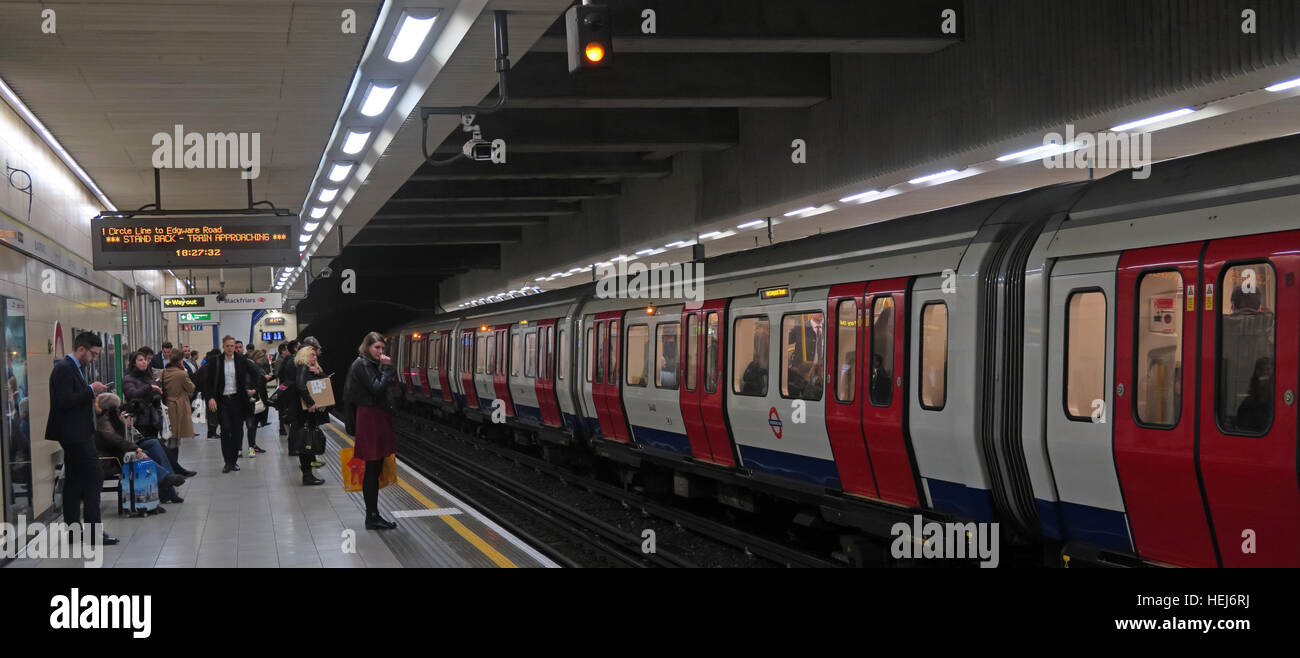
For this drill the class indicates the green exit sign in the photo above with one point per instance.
(196, 317)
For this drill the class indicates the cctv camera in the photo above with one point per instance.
(326, 273)
(478, 150)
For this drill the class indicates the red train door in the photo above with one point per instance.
(1248, 389)
(1155, 403)
(547, 403)
(617, 428)
(597, 347)
(844, 390)
(467, 368)
(702, 395)
(404, 368)
(884, 381)
(422, 362)
(692, 372)
(442, 347)
(500, 383)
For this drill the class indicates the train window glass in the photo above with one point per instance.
(750, 357)
(1157, 383)
(491, 367)
(692, 350)
(502, 352)
(803, 365)
(480, 357)
(530, 354)
(638, 354)
(563, 370)
(667, 358)
(613, 352)
(516, 354)
(1085, 354)
(881, 374)
(1246, 352)
(547, 353)
(846, 336)
(711, 357)
(591, 353)
(934, 356)
(542, 340)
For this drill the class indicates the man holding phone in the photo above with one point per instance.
(72, 423)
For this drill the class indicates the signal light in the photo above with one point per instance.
(589, 36)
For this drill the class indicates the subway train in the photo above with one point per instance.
(1107, 369)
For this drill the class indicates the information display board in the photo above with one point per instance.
(234, 301)
(152, 243)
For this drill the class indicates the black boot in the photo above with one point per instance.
(309, 480)
(377, 522)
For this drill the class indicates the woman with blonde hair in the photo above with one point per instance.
(367, 391)
(311, 416)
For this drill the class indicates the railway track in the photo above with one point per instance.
(421, 435)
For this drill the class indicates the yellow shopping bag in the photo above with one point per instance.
(354, 471)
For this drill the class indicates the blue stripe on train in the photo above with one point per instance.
(662, 439)
(1049, 518)
(593, 425)
(787, 465)
(1097, 526)
(968, 502)
(525, 411)
(570, 421)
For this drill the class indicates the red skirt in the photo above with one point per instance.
(375, 438)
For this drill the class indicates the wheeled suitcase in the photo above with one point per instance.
(139, 486)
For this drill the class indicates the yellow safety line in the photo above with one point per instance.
(469, 535)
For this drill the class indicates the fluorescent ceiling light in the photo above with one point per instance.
(539, 278)
(717, 235)
(302, 247)
(1037, 152)
(355, 141)
(754, 224)
(411, 33)
(1283, 86)
(327, 194)
(930, 177)
(679, 243)
(1150, 120)
(340, 171)
(305, 237)
(798, 212)
(48, 137)
(376, 99)
(643, 252)
(310, 226)
(860, 196)
(318, 212)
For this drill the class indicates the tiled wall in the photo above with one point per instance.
(61, 287)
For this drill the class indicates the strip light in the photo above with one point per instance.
(1150, 120)
(53, 143)
(932, 177)
(410, 36)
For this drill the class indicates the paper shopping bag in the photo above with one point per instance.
(354, 470)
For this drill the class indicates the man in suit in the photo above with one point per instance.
(229, 388)
(160, 359)
(72, 424)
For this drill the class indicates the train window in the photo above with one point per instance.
(846, 337)
(516, 354)
(881, 375)
(502, 352)
(750, 357)
(530, 354)
(548, 353)
(667, 358)
(480, 357)
(692, 350)
(602, 344)
(543, 341)
(934, 356)
(803, 367)
(1085, 353)
(591, 353)
(563, 370)
(1157, 382)
(711, 357)
(491, 367)
(1246, 351)
(613, 352)
(638, 354)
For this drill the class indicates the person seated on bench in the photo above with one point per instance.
(110, 439)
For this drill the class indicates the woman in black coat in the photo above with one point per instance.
(143, 396)
(311, 416)
(367, 391)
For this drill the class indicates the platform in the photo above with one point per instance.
(262, 516)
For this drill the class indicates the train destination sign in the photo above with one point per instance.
(151, 243)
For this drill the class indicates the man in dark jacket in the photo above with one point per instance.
(202, 378)
(228, 390)
(72, 423)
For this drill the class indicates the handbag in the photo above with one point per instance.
(166, 431)
(309, 440)
(258, 407)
